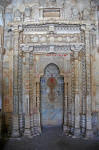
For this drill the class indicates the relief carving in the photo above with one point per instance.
(27, 12)
(86, 14)
(17, 15)
(35, 12)
(75, 13)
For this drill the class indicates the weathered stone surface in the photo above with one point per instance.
(33, 35)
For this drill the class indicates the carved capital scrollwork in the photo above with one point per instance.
(77, 48)
(91, 27)
(15, 28)
(20, 28)
(26, 48)
(83, 27)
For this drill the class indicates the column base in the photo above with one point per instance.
(15, 128)
(66, 130)
(36, 125)
(15, 134)
(27, 132)
(89, 133)
(36, 130)
(76, 133)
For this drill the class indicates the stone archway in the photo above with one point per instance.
(52, 95)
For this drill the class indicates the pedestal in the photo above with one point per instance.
(0, 125)
(36, 126)
(27, 131)
(89, 133)
(77, 132)
(66, 130)
(15, 126)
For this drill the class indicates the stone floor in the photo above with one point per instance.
(50, 139)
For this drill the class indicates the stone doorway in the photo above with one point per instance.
(52, 95)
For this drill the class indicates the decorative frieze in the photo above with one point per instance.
(58, 28)
(52, 38)
(35, 28)
(63, 29)
(52, 48)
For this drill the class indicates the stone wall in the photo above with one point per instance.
(1, 38)
(37, 33)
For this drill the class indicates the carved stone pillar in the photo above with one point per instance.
(20, 90)
(36, 107)
(15, 124)
(77, 97)
(73, 90)
(89, 132)
(31, 87)
(66, 128)
(26, 83)
(83, 99)
(27, 131)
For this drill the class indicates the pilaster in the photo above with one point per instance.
(31, 87)
(15, 120)
(77, 97)
(36, 109)
(26, 100)
(73, 89)
(89, 132)
(15, 126)
(65, 126)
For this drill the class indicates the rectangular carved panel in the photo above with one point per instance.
(51, 12)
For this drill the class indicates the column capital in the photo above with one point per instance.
(77, 48)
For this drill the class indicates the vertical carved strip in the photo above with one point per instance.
(88, 98)
(93, 49)
(31, 88)
(20, 103)
(83, 104)
(15, 72)
(37, 128)
(66, 108)
(35, 109)
(73, 89)
(77, 97)
(26, 83)
(15, 128)
(38, 106)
